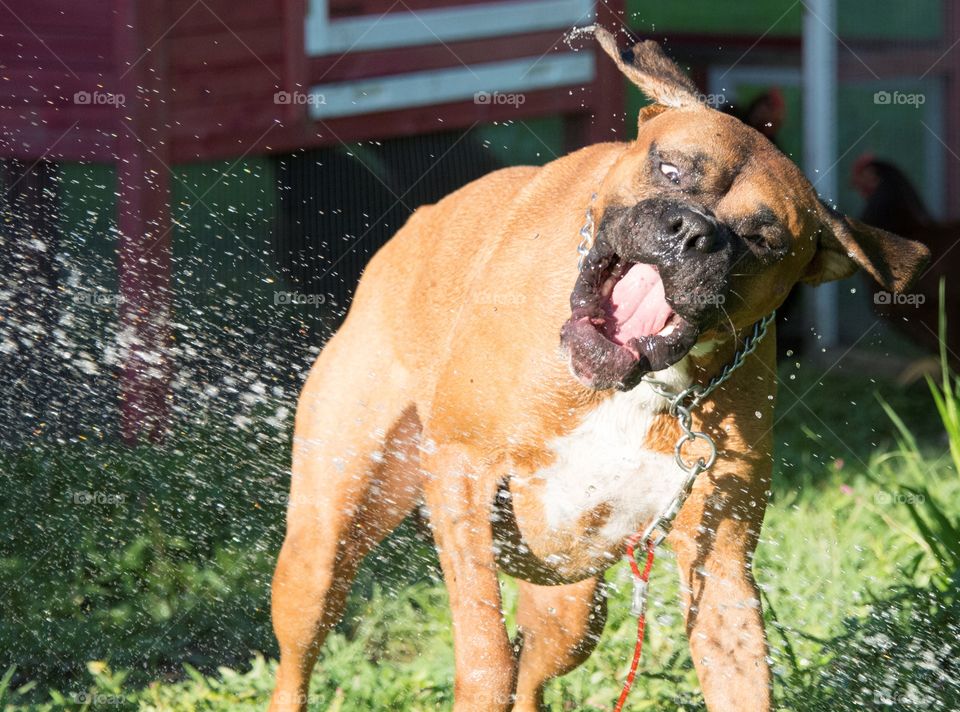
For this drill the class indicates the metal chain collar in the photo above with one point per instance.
(586, 236)
(681, 407)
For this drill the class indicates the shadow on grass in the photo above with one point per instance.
(149, 559)
(901, 657)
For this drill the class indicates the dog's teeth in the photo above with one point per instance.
(607, 288)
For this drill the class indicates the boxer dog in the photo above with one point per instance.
(480, 373)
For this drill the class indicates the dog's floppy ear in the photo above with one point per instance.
(657, 75)
(846, 244)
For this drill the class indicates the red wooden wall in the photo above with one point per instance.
(147, 84)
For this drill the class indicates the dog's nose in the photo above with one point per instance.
(691, 231)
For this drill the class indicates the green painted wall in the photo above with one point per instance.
(527, 142)
(903, 19)
(221, 236)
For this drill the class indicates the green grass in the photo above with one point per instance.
(155, 595)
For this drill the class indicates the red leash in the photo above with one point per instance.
(641, 578)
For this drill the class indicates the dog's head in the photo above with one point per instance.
(703, 227)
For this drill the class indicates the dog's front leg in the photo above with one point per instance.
(460, 497)
(714, 539)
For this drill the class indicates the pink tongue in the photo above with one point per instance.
(637, 307)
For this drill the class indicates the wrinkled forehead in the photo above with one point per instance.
(730, 162)
(713, 132)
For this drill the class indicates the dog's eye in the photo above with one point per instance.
(761, 246)
(671, 172)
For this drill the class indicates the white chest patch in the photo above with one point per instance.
(604, 461)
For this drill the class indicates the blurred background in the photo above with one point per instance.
(190, 190)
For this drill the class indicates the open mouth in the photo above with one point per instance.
(623, 324)
(635, 305)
